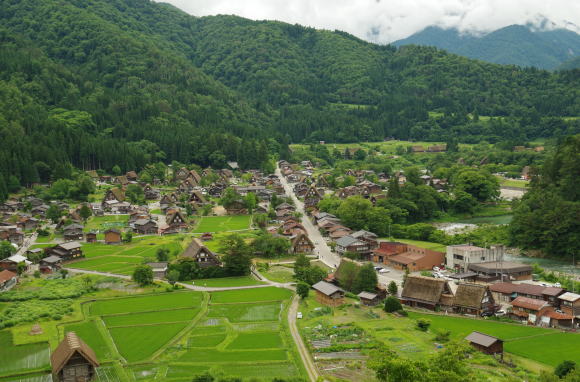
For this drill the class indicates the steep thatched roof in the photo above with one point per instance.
(70, 345)
(469, 295)
(423, 288)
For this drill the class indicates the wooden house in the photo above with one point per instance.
(159, 269)
(237, 208)
(181, 174)
(530, 309)
(473, 299)
(485, 343)
(201, 254)
(73, 232)
(328, 294)
(66, 251)
(176, 220)
(369, 299)
(206, 236)
(115, 194)
(570, 303)
(146, 227)
(50, 264)
(131, 176)
(301, 244)
(426, 292)
(91, 237)
(73, 360)
(113, 236)
(197, 197)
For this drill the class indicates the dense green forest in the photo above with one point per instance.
(99, 83)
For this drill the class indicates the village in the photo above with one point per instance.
(166, 226)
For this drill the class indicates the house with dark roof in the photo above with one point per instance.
(50, 264)
(501, 270)
(66, 251)
(485, 343)
(426, 292)
(473, 299)
(73, 232)
(328, 294)
(145, 227)
(73, 360)
(301, 244)
(201, 254)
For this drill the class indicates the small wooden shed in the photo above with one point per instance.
(328, 294)
(485, 343)
(113, 236)
(369, 299)
(73, 360)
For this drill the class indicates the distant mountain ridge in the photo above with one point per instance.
(515, 44)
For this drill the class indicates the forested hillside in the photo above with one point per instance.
(98, 83)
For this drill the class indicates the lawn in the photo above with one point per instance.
(269, 311)
(420, 244)
(264, 340)
(177, 315)
(279, 274)
(223, 223)
(520, 183)
(21, 357)
(208, 356)
(101, 223)
(550, 349)
(250, 295)
(154, 302)
(136, 343)
(228, 282)
(90, 334)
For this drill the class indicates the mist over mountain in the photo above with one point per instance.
(525, 46)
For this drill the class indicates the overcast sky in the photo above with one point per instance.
(388, 20)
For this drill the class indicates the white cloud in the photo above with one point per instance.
(388, 20)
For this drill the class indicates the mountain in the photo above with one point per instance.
(98, 83)
(514, 44)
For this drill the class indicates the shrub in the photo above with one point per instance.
(442, 335)
(564, 368)
(423, 324)
(402, 313)
(392, 304)
(302, 289)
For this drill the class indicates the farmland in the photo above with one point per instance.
(223, 223)
(227, 282)
(21, 357)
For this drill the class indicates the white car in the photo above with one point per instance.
(383, 270)
(299, 315)
(558, 285)
(500, 313)
(436, 269)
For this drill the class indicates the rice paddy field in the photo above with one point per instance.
(227, 282)
(217, 224)
(122, 259)
(15, 358)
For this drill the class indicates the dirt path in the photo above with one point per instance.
(304, 353)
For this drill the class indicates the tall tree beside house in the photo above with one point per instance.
(237, 255)
(6, 249)
(143, 275)
(392, 288)
(302, 289)
(54, 213)
(301, 266)
(3, 189)
(135, 194)
(85, 212)
(366, 279)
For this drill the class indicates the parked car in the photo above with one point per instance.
(299, 315)
(383, 270)
(486, 314)
(436, 269)
(378, 268)
(558, 285)
(500, 313)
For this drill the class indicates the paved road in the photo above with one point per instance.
(28, 241)
(321, 248)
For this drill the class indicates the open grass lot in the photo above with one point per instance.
(154, 302)
(223, 223)
(547, 349)
(21, 357)
(256, 340)
(136, 343)
(420, 244)
(250, 295)
(520, 183)
(177, 315)
(89, 332)
(208, 356)
(247, 312)
(101, 223)
(279, 273)
(227, 282)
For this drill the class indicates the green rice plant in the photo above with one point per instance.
(14, 358)
(176, 315)
(89, 333)
(207, 330)
(206, 341)
(256, 340)
(146, 303)
(268, 370)
(137, 343)
(250, 295)
(177, 371)
(211, 356)
(223, 223)
(247, 312)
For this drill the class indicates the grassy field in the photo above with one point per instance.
(250, 295)
(15, 358)
(89, 332)
(279, 274)
(122, 259)
(223, 223)
(144, 318)
(420, 244)
(247, 312)
(154, 302)
(227, 282)
(514, 183)
(101, 223)
(136, 343)
(256, 340)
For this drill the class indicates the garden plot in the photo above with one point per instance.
(106, 374)
(90, 334)
(137, 343)
(185, 371)
(269, 311)
(144, 372)
(164, 316)
(216, 356)
(146, 303)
